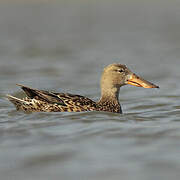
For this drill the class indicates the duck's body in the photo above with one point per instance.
(44, 101)
(113, 77)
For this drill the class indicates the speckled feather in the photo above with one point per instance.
(67, 102)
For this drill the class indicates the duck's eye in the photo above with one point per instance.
(120, 70)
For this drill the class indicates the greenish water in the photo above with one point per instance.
(63, 46)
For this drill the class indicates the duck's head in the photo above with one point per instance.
(117, 75)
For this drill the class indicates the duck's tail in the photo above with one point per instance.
(16, 101)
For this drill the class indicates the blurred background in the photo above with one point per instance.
(63, 46)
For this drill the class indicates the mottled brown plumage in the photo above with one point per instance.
(114, 76)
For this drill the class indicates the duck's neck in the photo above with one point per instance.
(110, 93)
(109, 100)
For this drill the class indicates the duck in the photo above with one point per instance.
(114, 76)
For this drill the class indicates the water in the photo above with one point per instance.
(63, 46)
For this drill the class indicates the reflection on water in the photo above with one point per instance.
(63, 46)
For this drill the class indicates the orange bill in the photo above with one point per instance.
(140, 82)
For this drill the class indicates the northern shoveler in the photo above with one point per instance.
(113, 77)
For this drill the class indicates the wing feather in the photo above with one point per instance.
(49, 97)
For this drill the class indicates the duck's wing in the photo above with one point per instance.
(46, 96)
(65, 100)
